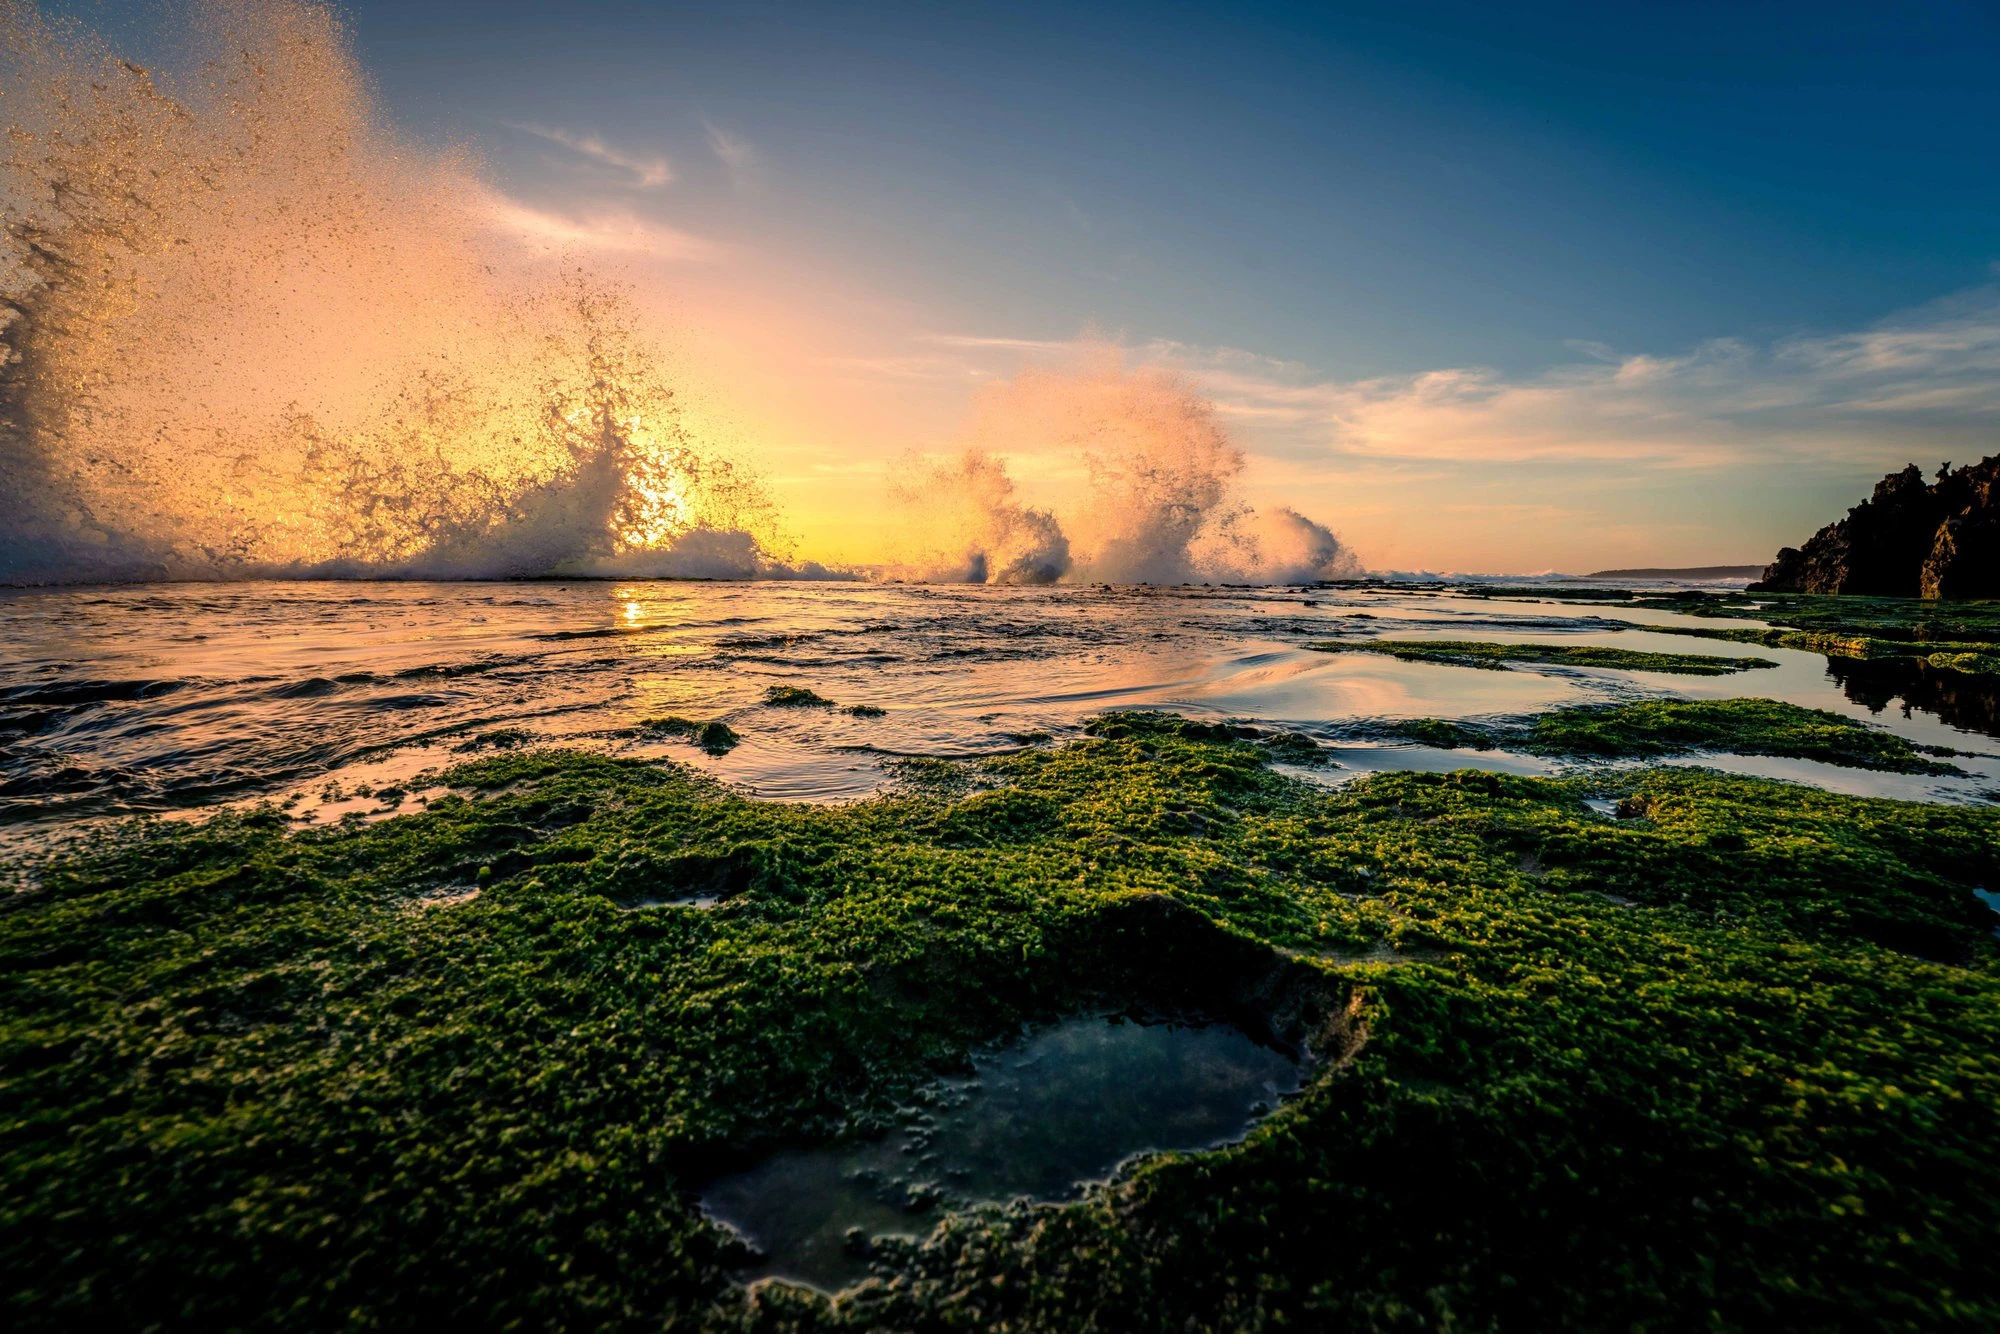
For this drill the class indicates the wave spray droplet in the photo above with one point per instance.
(250, 331)
(1143, 472)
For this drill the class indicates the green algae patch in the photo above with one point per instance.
(795, 697)
(1652, 729)
(1739, 726)
(715, 736)
(1961, 637)
(1972, 658)
(1499, 657)
(500, 738)
(1271, 743)
(1971, 664)
(1850, 616)
(1732, 1061)
(1441, 733)
(1908, 620)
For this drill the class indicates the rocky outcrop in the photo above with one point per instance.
(1939, 539)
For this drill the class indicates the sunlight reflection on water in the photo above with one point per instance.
(165, 697)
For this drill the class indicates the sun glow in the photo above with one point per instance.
(659, 487)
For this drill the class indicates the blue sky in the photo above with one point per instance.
(1641, 283)
(1369, 188)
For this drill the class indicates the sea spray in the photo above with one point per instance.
(958, 521)
(1243, 545)
(249, 330)
(1157, 460)
(246, 329)
(1142, 476)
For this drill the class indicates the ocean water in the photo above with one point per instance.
(172, 698)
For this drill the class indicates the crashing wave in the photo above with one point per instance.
(249, 330)
(1144, 473)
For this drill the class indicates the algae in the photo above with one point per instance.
(1650, 729)
(1498, 657)
(795, 697)
(1840, 626)
(1730, 1062)
(1742, 726)
(1973, 657)
(715, 736)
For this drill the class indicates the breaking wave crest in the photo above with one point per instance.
(248, 330)
(958, 522)
(1141, 475)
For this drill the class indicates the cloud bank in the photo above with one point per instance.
(1925, 379)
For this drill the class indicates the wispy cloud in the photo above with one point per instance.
(925, 369)
(1055, 346)
(1922, 381)
(1929, 378)
(620, 232)
(647, 172)
(733, 151)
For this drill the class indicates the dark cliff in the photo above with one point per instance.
(1939, 539)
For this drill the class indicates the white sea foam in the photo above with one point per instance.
(1142, 482)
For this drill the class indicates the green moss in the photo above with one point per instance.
(1443, 734)
(1908, 620)
(1972, 664)
(500, 738)
(1741, 726)
(795, 697)
(1497, 657)
(1655, 728)
(1732, 1062)
(1973, 657)
(1274, 743)
(715, 736)
(1954, 636)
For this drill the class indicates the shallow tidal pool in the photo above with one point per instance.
(1036, 1119)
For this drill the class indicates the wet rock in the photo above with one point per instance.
(715, 736)
(1965, 559)
(795, 697)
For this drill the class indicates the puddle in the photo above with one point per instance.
(703, 901)
(1037, 1119)
(1970, 788)
(770, 769)
(1992, 902)
(1347, 761)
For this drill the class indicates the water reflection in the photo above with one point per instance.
(174, 697)
(1971, 703)
(1035, 1120)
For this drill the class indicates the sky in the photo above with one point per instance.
(1482, 287)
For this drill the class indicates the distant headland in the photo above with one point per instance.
(1688, 573)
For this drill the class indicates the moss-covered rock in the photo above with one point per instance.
(1730, 1062)
(1741, 726)
(795, 697)
(1498, 657)
(715, 736)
